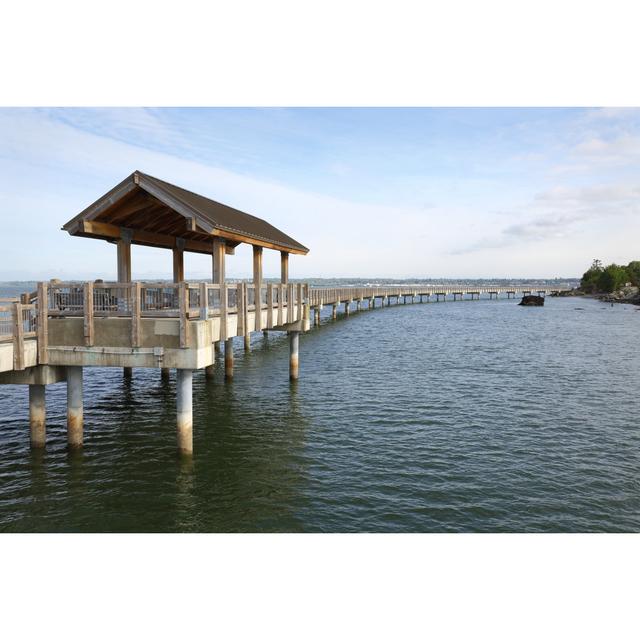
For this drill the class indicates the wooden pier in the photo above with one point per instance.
(51, 334)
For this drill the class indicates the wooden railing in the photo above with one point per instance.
(326, 295)
(17, 323)
(184, 300)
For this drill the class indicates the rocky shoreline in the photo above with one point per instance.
(626, 295)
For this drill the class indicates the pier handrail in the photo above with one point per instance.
(17, 323)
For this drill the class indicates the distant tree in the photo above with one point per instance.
(590, 279)
(611, 278)
(633, 271)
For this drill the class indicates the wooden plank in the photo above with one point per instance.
(89, 333)
(183, 292)
(299, 301)
(136, 306)
(43, 324)
(18, 337)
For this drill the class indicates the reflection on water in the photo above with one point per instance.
(449, 417)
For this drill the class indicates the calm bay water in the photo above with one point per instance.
(466, 416)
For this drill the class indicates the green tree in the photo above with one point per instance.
(633, 270)
(590, 280)
(612, 278)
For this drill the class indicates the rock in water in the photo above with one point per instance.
(532, 301)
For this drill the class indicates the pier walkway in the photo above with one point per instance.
(51, 334)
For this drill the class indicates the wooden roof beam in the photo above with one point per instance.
(107, 231)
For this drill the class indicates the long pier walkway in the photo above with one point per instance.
(51, 334)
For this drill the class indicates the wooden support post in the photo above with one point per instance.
(18, 337)
(347, 304)
(184, 406)
(284, 267)
(75, 418)
(178, 260)
(165, 374)
(257, 283)
(37, 415)
(294, 343)
(218, 256)
(316, 319)
(228, 359)
(334, 311)
(124, 255)
(87, 304)
(43, 324)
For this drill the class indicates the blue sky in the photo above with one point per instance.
(373, 192)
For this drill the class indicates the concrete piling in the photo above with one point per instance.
(37, 415)
(127, 372)
(247, 341)
(184, 410)
(75, 418)
(165, 374)
(294, 344)
(228, 358)
(334, 311)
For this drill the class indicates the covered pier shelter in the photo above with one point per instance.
(166, 325)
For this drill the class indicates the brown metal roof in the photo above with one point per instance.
(158, 212)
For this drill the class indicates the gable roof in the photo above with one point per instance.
(157, 213)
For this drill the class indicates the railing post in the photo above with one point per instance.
(290, 302)
(299, 301)
(18, 337)
(224, 301)
(240, 300)
(269, 306)
(42, 326)
(136, 293)
(87, 304)
(204, 301)
(281, 288)
(183, 302)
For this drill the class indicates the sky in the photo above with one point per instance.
(373, 192)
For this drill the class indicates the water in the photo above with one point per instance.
(466, 416)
